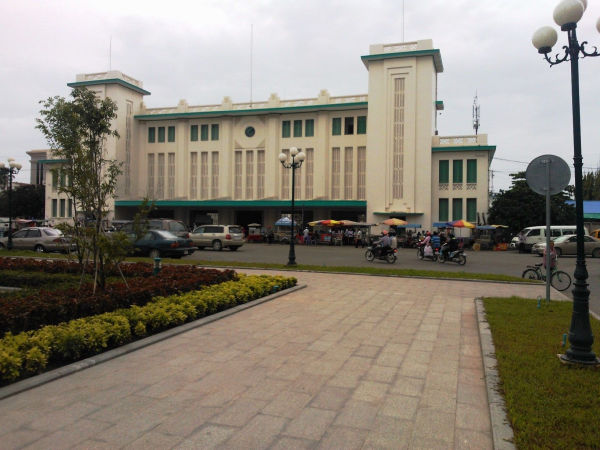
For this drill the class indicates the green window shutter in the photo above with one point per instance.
(161, 134)
(61, 177)
(194, 133)
(171, 136)
(457, 171)
(297, 128)
(204, 132)
(214, 132)
(151, 134)
(54, 207)
(336, 126)
(285, 129)
(70, 208)
(472, 209)
(62, 207)
(443, 210)
(361, 125)
(471, 171)
(444, 174)
(54, 179)
(309, 128)
(457, 213)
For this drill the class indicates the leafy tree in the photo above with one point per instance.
(27, 202)
(591, 185)
(520, 207)
(77, 131)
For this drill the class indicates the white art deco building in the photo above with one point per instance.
(369, 157)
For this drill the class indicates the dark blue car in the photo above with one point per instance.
(163, 244)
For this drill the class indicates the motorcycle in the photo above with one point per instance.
(421, 253)
(457, 256)
(388, 255)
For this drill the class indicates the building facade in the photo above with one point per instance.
(368, 157)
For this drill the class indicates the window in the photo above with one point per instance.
(309, 128)
(335, 172)
(348, 172)
(472, 209)
(204, 175)
(297, 128)
(54, 180)
(193, 175)
(362, 173)
(204, 132)
(171, 134)
(361, 125)
(443, 210)
(194, 133)
(150, 187)
(160, 177)
(285, 177)
(215, 175)
(398, 140)
(336, 126)
(249, 174)
(151, 134)
(237, 179)
(471, 171)
(54, 207)
(260, 173)
(298, 181)
(171, 175)
(457, 213)
(214, 132)
(348, 125)
(62, 207)
(444, 174)
(161, 134)
(285, 129)
(308, 169)
(70, 208)
(457, 172)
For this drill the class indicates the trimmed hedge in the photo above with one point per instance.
(31, 352)
(51, 307)
(139, 269)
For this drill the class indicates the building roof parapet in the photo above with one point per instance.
(404, 50)
(459, 141)
(109, 77)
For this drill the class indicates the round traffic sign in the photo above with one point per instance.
(548, 174)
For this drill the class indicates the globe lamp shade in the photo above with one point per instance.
(544, 39)
(293, 151)
(282, 157)
(300, 156)
(568, 12)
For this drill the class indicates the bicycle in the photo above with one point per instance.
(559, 280)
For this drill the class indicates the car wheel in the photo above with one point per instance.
(154, 253)
(217, 246)
(39, 249)
(596, 253)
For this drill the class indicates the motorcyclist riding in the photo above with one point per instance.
(452, 245)
(383, 244)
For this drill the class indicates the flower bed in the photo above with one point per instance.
(31, 352)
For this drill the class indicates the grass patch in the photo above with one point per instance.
(549, 405)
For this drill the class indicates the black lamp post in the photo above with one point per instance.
(293, 162)
(12, 169)
(566, 14)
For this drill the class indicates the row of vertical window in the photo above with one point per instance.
(204, 135)
(152, 137)
(457, 209)
(62, 208)
(457, 171)
(249, 174)
(309, 128)
(343, 175)
(352, 125)
(60, 178)
(303, 179)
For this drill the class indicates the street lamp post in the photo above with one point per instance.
(293, 162)
(12, 169)
(566, 14)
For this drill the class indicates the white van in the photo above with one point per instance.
(533, 235)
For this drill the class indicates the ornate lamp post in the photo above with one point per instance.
(12, 169)
(566, 14)
(293, 162)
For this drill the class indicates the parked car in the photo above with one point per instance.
(534, 235)
(163, 244)
(39, 239)
(177, 227)
(218, 237)
(567, 245)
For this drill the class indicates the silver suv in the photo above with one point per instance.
(218, 236)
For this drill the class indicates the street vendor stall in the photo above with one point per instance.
(490, 237)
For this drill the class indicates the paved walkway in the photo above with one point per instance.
(349, 362)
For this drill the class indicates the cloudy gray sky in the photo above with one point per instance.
(200, 51)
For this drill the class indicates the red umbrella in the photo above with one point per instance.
(461, 224)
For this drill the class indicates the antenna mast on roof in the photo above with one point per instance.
(475, 114)
(402, 20)
(251, 50)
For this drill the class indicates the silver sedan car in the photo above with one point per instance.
(39, 239)
(567, 245)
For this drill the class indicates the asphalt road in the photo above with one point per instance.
(507, 263)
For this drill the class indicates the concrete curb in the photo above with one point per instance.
(52, 375)
(502, 433)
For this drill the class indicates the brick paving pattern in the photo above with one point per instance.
(350, 362)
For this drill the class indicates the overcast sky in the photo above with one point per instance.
(200, 51)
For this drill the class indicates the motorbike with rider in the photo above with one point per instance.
(382, 249)
(451, 251)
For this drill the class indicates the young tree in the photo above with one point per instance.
(77, 131)
(520, 207)
(591, 185)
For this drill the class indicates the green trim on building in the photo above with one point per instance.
(439, 105)
(462, 148)
(118, 81)
(397, 213)
(250, 203)
(243, 112)
(52, 161)
(435, 53)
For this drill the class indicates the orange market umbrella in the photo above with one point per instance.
(461, 224)
(329, 222)
(393, 221)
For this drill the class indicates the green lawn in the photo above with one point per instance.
(550, 405)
